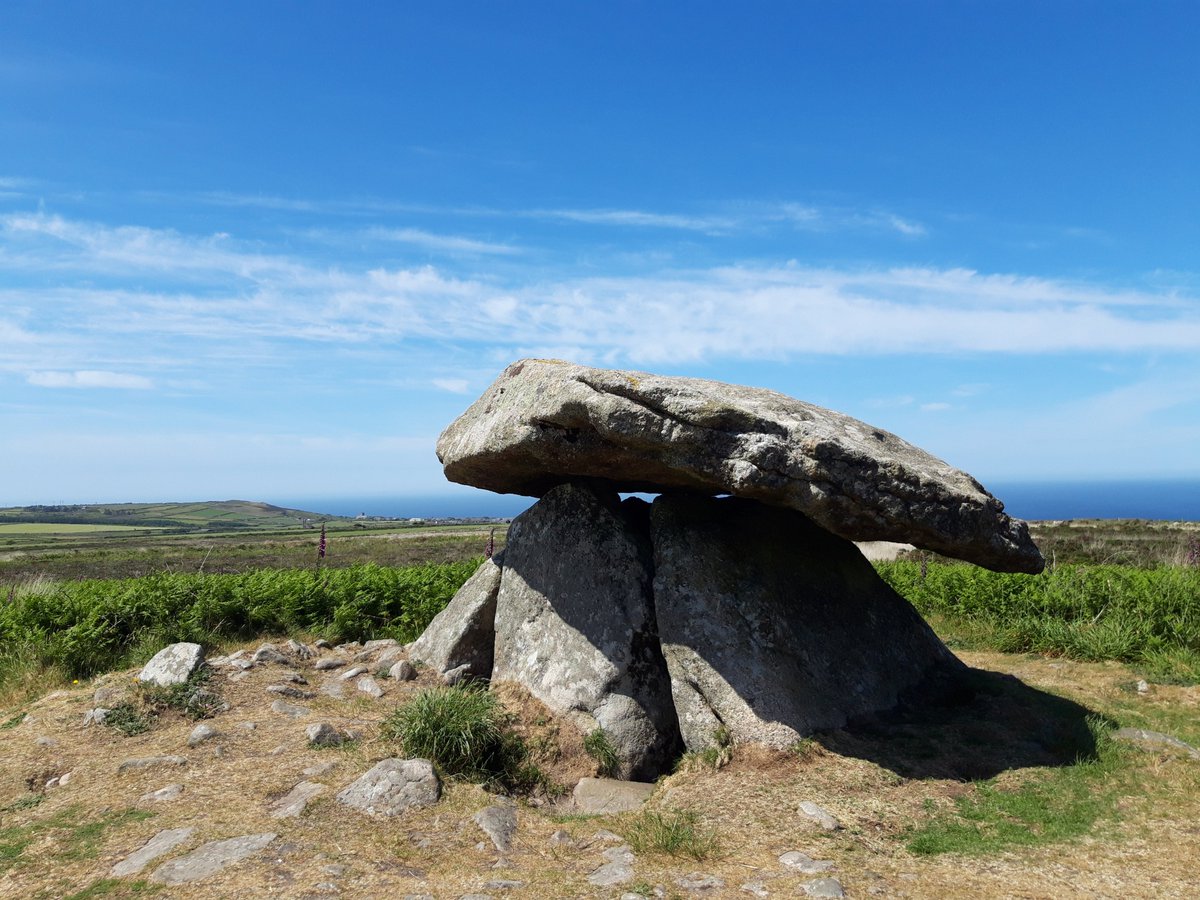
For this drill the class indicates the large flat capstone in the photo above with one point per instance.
(543, 422)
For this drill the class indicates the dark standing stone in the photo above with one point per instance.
(772, 627)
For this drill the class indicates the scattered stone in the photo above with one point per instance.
(457, 675)
(388, 658)
(393, 786)
(1143, 687)
(823, 887)
(617, 870)
(562, 838)
(402, 671)
(247, 726)
(296, 800)
(802, 862)
(337, 870)
(162, 843)
(293, 678)
(328, 662)
(269, 653)
(106, 696)
(381, 643)
(603, 796)
(210, 859)
(278, 751)
(1154, 740)
(172, 665)
(163, 795)
(51, 782)
(500, 824)
(239, 676)
(757, 888)
(352, 673)
(151, 762)
(44, 741)
(286, 690)
(334, 689)
(544, 422)
(200, 734)
(349, 647)
(369, 686)
(301, 650)
(819, 815)
(604, 836)
(323, 735)
(502, 884)
(95, 716)
(320, 769)
(289, 709)
(322, 644)
(464, 632)
(65, 779)
(699, 882)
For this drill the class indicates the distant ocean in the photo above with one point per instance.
(1173, 499)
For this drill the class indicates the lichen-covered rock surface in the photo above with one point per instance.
(543, 422)
(575, 622)
(773, 628)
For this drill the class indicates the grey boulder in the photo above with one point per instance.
(393, 786)
(575, 622)
(773, 628)
(172, 665)
(543, 422)
(463, 633)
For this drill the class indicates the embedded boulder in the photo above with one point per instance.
(545, 422)
(463, 633)
(575, 622)
(773, 628)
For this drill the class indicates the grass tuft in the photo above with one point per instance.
(674, 832)
(597, 745)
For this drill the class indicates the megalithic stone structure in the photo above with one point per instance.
(751, 615)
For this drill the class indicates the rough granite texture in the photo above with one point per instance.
(543, 422)
(462, 634)
(575, 622)
(773, 628)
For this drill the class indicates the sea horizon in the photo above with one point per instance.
(1175, 499)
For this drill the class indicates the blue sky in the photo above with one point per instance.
(270, 250)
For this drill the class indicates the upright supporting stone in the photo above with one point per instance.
(575, 622)
(464, 632)
(772, 627)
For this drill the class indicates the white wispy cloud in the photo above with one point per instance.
(453, 385)
(710, 224)
(446, 243)
(89, 379)
(202, 295)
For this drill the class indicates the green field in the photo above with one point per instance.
(66, 528)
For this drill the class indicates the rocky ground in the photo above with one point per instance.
(246, 803)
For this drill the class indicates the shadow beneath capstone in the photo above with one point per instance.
(968, 725)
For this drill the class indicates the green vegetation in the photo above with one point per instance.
(87, 627)
(224, 515)
(1053, 805)
(1146, 617)
(466, 733)
(674, 832)
(597, 745)
(73, 837)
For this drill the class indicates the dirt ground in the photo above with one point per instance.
(62, 841)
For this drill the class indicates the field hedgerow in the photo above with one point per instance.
(87, 627)
(1148, 617)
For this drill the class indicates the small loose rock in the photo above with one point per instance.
(200, 734)
(819, 816)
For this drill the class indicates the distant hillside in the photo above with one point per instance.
(218, 515)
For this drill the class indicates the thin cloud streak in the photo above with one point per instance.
(206, 294)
